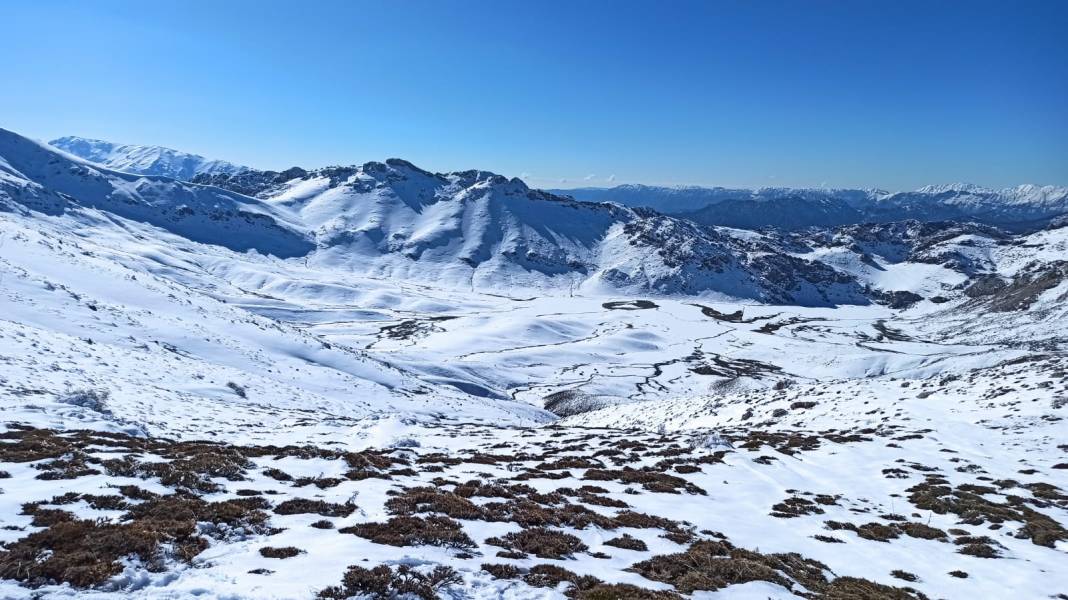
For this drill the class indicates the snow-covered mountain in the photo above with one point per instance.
(1022, 208)
(37, 177)
(334, 383)
(468, 230)
(477, 230)
(144, 160)
(665, 199)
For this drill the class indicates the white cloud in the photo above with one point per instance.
(589, 177)
(610, 178)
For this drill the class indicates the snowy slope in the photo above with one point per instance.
(144, 160)
(87, 304)
(479, 231)
(39, 178)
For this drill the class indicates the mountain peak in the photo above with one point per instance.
(144, 160)
(958, 187)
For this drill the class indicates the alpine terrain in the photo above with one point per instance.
(376, 381)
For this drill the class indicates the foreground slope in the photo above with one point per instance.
(936, 489)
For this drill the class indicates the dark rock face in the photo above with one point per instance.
(1025, 288)
(250, 183)
(702, 258)
(985, 285)
(898, 299)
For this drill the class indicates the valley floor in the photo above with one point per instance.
(181, 421)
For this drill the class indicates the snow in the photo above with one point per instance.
(383, 307)
(143, 160)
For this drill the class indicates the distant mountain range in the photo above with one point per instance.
(1022, 208)
(144, 160)
(479, 230)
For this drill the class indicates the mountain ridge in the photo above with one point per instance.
(479, 230)
(143, 160)
(1025, 207)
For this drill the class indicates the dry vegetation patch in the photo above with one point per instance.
(627, 542)
(414, 531)
(541, 542)
(84, 553)
(714, 565)
(383, 582)
(937, 495)
(298, 506)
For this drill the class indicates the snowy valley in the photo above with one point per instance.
(231, 383)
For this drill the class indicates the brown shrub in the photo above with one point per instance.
(980, 550)
(621, 591)
(414, 531)
(904, 575)
(275, 552)
(795, 507)
(922, 531)
(650, 480)
(550, 576)
(242, 516)
(322, 483)
(47, 517)
(86, 553)
(713, 565)
(502, 571)
(828, 539)
(869, 531)
(627, 542)
(570, 462)
(541, 542)
(32, 445)
(298, 506)
(384, 583)
(433, 500)
(852, 588)
(974, 509)
(134, 492)
(72, 465)
(277, 474)
(596, 500)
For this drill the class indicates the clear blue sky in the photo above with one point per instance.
(801, 93)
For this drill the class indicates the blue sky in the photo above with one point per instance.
(746, 93)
